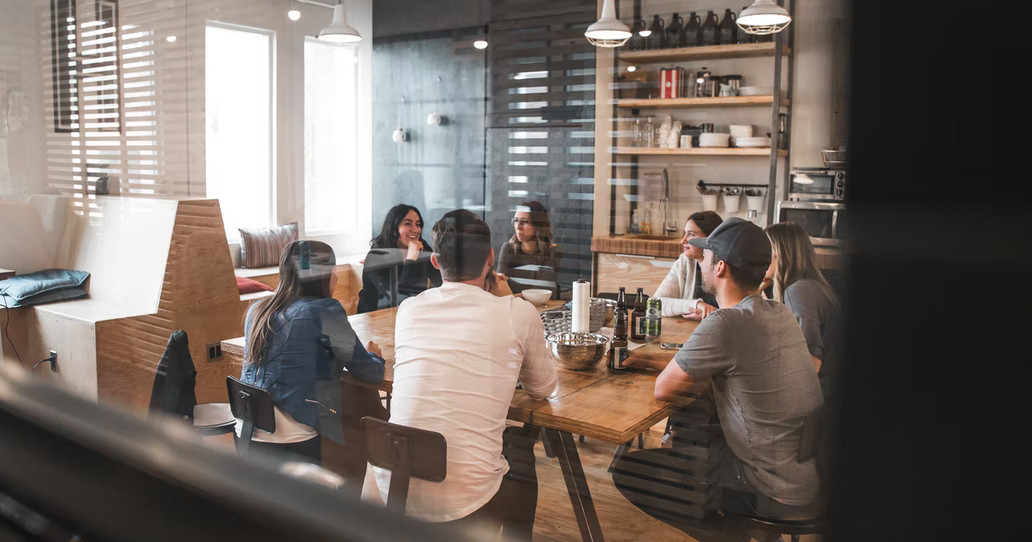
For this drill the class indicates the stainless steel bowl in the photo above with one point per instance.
(577, 351)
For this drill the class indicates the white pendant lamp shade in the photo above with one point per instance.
(608, 31)
(339, 30)
(763, 17)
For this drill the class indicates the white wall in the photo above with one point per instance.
(24, 56)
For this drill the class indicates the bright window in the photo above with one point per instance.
(239, 142)
(331, 137)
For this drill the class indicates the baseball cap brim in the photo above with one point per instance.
(699, 242)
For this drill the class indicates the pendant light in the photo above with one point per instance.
(339, 30)
(608, 31)
(763, 17)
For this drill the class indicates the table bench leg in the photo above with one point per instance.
(565, 448)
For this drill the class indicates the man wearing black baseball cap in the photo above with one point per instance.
(763, 385)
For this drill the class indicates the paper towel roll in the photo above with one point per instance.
(581, 306)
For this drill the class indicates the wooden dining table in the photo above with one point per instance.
(612, 406)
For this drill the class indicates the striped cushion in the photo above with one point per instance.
(261, 247)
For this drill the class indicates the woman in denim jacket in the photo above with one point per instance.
(298, 342)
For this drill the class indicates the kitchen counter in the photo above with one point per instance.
(640, 244)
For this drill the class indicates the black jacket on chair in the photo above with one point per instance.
(173, 390)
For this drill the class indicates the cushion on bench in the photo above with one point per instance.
(45, 286)
(261, 247)
(250, 286)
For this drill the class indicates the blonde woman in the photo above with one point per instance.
(801, 286)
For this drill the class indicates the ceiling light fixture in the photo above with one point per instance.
(480, 44)
(608, 31)
(339, 30)
(763, 17)
(294, 14)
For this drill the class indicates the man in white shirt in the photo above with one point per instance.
(459, 351)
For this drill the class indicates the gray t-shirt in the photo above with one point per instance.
(764, 385)
(817, 313)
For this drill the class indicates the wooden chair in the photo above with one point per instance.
(406, 452)
(254, 407)
(173, 391)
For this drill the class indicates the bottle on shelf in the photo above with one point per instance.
(648, 133)
(636, 133)
(727, 35)
(637, 322)
(710, 29)
(635, 226)
(637, 41)
(741, 36)
(702, 83)
(657, 39)
(646, 219)
(618, 346)
(675, 32)
(693, 31)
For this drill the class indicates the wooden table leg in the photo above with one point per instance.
(565, 448)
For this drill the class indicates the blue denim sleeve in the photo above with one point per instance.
(365, 366)
(346, 347)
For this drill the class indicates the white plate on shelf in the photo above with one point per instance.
(714, 139)
(752, 142)
(756, 91)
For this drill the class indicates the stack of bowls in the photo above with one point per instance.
(714, 139)
(758, 142)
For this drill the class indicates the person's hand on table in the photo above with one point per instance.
(701, 311)
(414, 248)
(496, 284)
(374, 348)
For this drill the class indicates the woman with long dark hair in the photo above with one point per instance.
(297, 342)
(530, 258)
(398, 261)
(681, 290)
(801, 286)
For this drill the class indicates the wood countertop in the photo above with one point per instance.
(660, 246)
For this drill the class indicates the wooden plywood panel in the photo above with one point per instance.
(198, 295)
(631, 272)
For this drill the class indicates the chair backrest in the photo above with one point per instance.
(252, 405)
(406, 452)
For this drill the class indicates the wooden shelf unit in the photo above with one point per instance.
(721, 101)
(741, 50)
(697, 151)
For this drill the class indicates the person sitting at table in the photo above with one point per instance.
(801, 286)
(681, 290)
(459, 351)
(753, 356)
(297, 342)
(398, 260)
(530, 258)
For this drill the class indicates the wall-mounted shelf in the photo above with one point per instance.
(741, 50)
(722, 101)
(697, 151)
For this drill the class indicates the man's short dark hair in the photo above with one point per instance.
(462, 242)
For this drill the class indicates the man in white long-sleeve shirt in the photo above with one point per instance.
(459, 351)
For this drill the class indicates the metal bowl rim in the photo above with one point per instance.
(602, 338)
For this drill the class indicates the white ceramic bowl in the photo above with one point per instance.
(714, 139)
(740, 130)
(752, 142)
(537, 296)
(755, 91)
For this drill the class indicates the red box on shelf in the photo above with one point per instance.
(671, 82)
